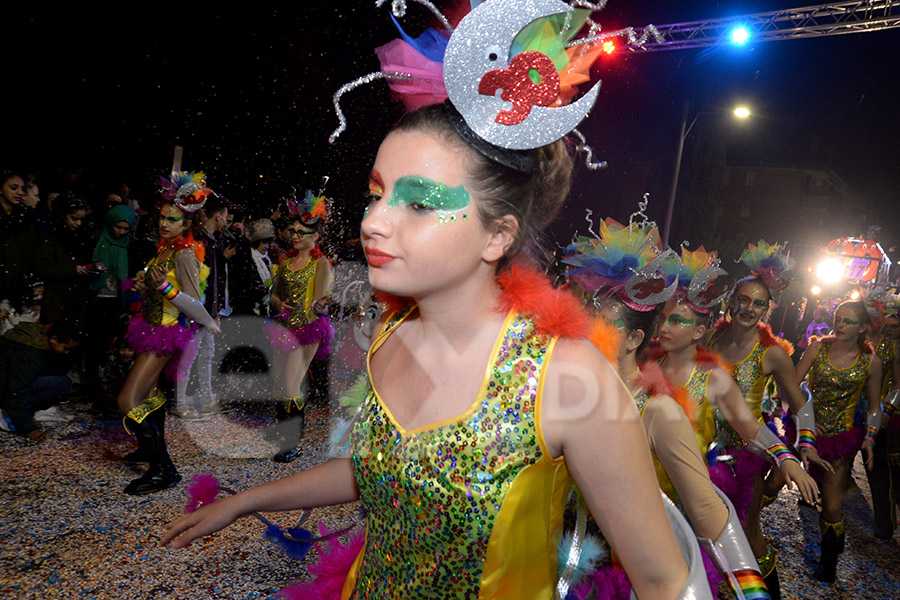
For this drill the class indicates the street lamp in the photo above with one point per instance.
(741, 112)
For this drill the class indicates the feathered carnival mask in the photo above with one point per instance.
(625, 261)
(696, 275)
(508, 74)
(186, 190)
(880, 304)
(312, 210)
(770, 263)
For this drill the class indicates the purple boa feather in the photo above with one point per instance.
(606, 583)
(287, 340)
(712, 573)
(737, 484)
(163, 340)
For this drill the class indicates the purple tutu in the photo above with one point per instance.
(846, 443)
(736, 481)
(287, 340)
(177, 341)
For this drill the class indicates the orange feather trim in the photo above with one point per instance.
(183, 243)
(654, 381)
(555, 312)
(526, 290)
(866, 347)
(707, 359)
(766, 337)
(606, 338)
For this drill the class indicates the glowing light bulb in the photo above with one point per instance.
(740, 35)
(742, 112)
(609, 47)
(816, 290)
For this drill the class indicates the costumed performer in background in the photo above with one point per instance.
(162, 334)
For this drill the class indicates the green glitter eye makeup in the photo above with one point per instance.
(423, 194)
(679, 320)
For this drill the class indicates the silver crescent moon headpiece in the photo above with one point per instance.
(647, 286)
(702, 292)
(496, 94)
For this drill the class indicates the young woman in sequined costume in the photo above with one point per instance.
(758, 357)
(838, 370)
(680, 468)
(464, 498)
(301, 330)
(160, 335)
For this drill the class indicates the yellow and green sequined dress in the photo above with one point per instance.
(752, 380)
(299, 326)
(469, 507)
(836, 393)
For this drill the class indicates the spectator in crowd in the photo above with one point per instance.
(252, 272)
(107, 306)
(28, 382)
(32, 197)
(283, 242)
(23, 304)
(113, 372)
(16, 230)
(63, 260)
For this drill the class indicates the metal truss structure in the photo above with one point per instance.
(794, 23)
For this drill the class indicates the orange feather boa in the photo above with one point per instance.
(183, 243)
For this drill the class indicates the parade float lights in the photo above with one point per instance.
(830, 270)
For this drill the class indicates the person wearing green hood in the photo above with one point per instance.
(108, 306)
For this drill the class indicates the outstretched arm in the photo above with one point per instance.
(778, 363)
(587, 413)
(873, 411)
(727, 396)
(325, 485)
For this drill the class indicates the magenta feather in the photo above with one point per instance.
(203, 490)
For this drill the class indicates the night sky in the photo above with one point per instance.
(246, 89)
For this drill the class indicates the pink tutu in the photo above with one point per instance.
(736, 481)
(177, 341)
(287, 340)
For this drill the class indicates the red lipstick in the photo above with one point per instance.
(377, 258)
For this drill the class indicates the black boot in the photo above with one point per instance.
(768, 568)
(832, 548)
(161, 473)
(158, 415)
(292, 423)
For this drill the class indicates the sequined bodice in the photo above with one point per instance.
(704, 412)
(158, 310)
(750, 376)
(296, 290)
(887, 352)
(641, 396)
(835, 391)
(438, 525)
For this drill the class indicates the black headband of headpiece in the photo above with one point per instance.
(517, 160)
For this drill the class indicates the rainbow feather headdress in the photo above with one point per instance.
(508, 74)
(696, 275)
(881, 303)
(186, 189)
(624, 260)
(770, 262)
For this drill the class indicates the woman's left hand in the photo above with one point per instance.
(320, 306)
(868, 450)
(794, 473)
(157, 276)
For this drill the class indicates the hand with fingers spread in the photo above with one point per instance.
(793, 473)
(203, 521)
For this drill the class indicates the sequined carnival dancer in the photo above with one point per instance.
(838, 369)
(756, 357)
(884, 477)
(463, 451)
(301, 329)
(619, 271)
(716, 397)
(163, 333)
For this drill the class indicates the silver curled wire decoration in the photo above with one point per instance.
(398, 8)
(352, 86)
(587, 217)
(583, 146)
(595, 6)
(628, 33)
(642, 206)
